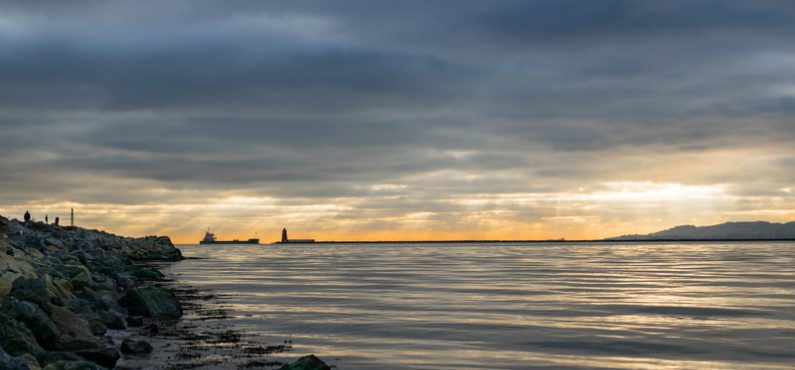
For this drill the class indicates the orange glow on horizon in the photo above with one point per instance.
(609, 209)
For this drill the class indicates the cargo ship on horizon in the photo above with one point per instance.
(210, 238)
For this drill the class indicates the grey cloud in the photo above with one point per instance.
(320, 100)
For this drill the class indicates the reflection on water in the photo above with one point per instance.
(512, 306)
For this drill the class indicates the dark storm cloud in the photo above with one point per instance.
(254, 95)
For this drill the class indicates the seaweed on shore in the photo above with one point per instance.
(202, 339)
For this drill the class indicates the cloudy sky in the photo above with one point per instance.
(398, 119)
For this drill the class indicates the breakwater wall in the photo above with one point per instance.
(62, 288)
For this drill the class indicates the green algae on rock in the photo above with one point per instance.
(310, 362)
(152, 301)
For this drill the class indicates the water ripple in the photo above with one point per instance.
(512, 306)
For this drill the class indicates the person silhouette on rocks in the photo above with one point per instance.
(27, 216)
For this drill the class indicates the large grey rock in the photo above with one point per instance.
(31, 290)
(155, 248)
(58, 290)
(152, 302)
(42, 327)
(8, 362)
(12, 260)
(112, 320)
(79, 275)
(97, 327)
(77, 330)
(6, 280)
(16, 338)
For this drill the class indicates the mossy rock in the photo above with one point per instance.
(112, 320)
(77, 328)
(79, 275)
(41, 326)
(152, 302)
(146, 273)
(31, 290)
(58, 290)
(16, 338)
(6, 281)
(310, 362)
(97, 327)
(10, 263)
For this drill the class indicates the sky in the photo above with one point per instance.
(357, 120)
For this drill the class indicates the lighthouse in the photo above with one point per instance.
(294, 241)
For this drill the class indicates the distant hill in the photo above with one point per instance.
(728, 230)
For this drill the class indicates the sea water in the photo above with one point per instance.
(510, 306)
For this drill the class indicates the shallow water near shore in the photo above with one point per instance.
(508, 306)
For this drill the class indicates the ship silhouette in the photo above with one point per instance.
(210, 238)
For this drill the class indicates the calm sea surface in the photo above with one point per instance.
(511, 306)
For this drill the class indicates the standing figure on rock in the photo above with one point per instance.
(46, 219)
(27, 216)
(57, 219)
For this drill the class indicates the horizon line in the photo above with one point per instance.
(535, 241)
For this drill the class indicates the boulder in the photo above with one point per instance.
(106, 357)
(13, 264)
(107, 264)
(78, 275)
(31, 361)
(35, 255)
(51, 357)
(306, 363)
(135, 347)
(153, 248)
(71, 365)
(26, 241)
(78, 331)
(43, 329)
(31, 290)
(145, 273)
(5, 225)
(53, 242)
(97, 327)
(102, 300)
(112, 320)
(103, 283)
(16, 338)
(6, 280)
(57, 290)
(152, 302)
(12, 363)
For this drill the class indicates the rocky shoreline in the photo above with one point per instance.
(74, 299)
